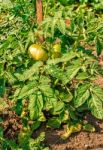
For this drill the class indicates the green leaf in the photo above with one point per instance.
(71, 73)
(12, 145)
(61, 26)
(99, 46)
(2, 87)
(89, 127)
(49, 102)
(82, 76)
(1, 132)
(64, 58)
(82, 94)
(64, 116)
(22, 49)
(1, 51)
(11, 78)
(23, 138)
(66, 96)
(29, 72)
(35, 144)
(96, 107)
(44, 80)
(47, 25)
(25, 91)
(33, 109)
(57, 108)
(35, 125)
(31, 36)
(56, 72)
(54, 22)
(98, 92)
(54, 123)
(47, 90)
(35, 106)
(42, 118)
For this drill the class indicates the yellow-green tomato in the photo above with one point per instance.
(56, 51)
(57, 48)
(37, 53)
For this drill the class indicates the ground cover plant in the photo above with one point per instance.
(48, 68)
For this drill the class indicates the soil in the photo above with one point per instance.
(77, 141)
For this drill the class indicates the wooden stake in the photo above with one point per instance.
(39, 15)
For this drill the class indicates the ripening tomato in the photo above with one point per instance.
(56, 51)
(37, 53)
(57, 48)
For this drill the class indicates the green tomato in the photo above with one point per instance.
(56, 51)
(37, 53)
(57, 48)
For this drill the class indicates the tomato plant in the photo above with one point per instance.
(59, 90)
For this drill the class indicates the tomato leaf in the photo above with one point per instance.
(99, 46)
(98, 92)
(57, 110)
(66, 57)
(82, 94)
(82, 76)
(25, 91)
(29, 72)
(71, 73)
(61, 26)
(35, 106)
(54, 123)
(95, 106)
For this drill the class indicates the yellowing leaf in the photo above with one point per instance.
(71, 129)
